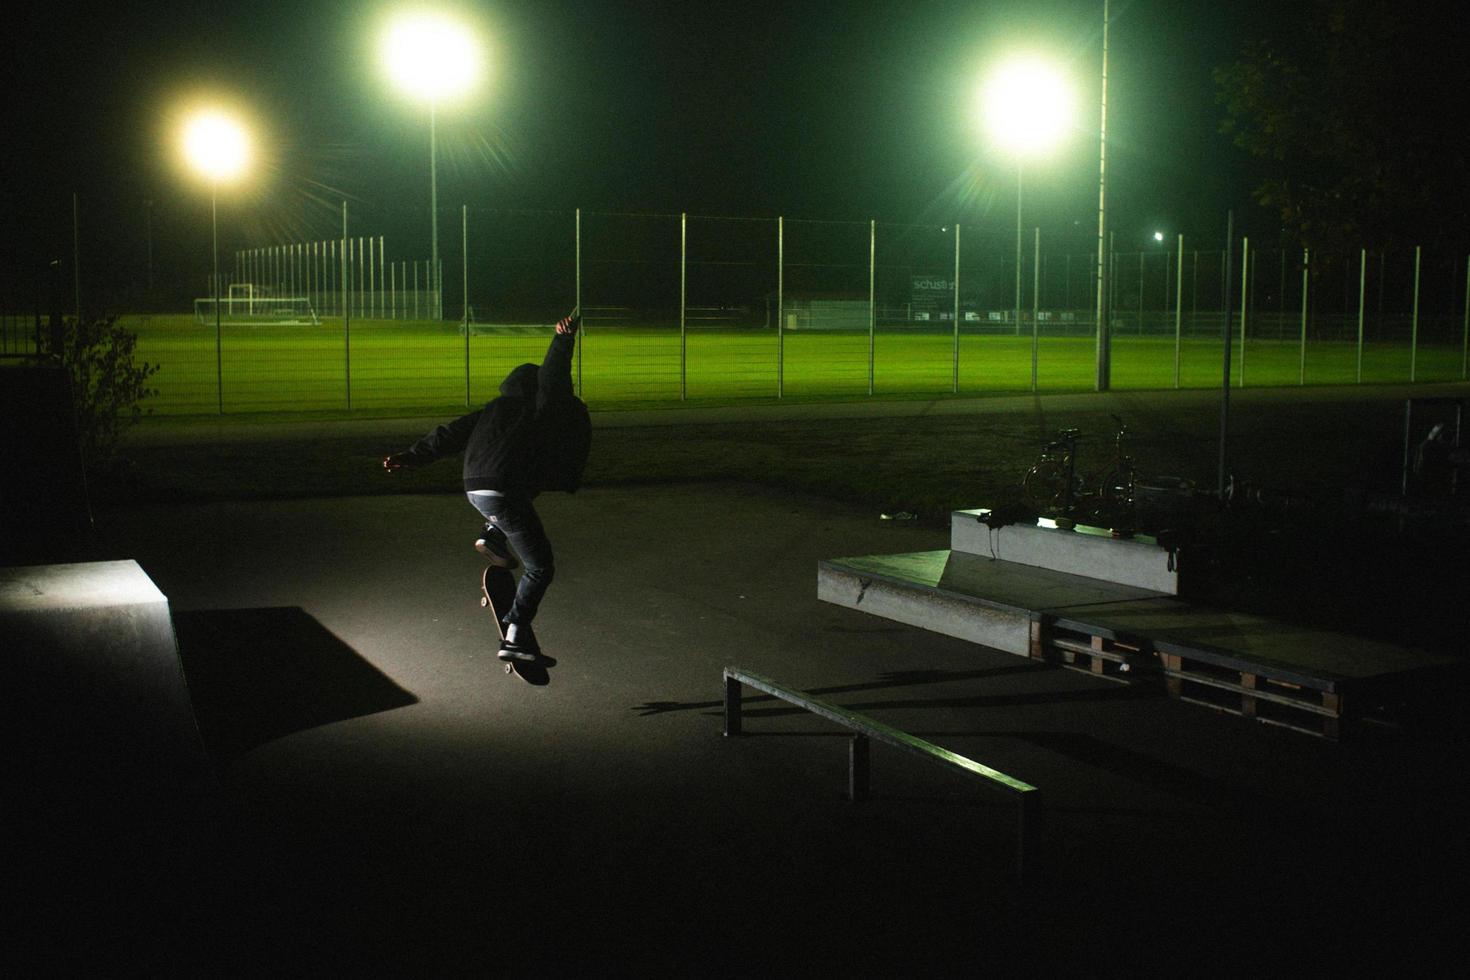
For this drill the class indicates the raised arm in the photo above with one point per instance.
(554, 380)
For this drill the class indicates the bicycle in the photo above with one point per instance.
(1115, 484)
(1052, 486)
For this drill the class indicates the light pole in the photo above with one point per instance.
(148, 212)
(1026, 110)
(433, 58)
(217, 148)
(1104, 371)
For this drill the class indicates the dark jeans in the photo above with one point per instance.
(522, 526)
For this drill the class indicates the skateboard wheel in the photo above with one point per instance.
(484, 602)
(509, 668)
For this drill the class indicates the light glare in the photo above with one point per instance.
(431, 56)
(215, 145)
(1026, 106)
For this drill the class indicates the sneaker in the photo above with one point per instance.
(492, 544)
(519, 644)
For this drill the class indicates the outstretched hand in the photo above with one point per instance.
(569, 323)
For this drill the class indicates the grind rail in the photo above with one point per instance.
(1028, 798)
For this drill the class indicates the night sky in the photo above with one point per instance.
(812, 109)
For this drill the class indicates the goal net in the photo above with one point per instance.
(249, 304)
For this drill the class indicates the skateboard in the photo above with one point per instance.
(497, 592)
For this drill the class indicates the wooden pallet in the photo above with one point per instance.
(1098, 653)
(1252, 692)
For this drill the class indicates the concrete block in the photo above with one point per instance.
(1138, 561)
(91, 687)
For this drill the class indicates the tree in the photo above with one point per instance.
(108, 384)
(1353, 125)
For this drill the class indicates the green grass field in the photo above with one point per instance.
(392, 366)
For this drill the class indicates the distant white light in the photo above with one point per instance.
(1025, 105)
(216, 145)
(1158, 236)
(431, 56)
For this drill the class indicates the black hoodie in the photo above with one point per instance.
(500, 440)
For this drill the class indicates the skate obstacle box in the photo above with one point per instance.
(92, 691)
(1112, 606)
(44, 513)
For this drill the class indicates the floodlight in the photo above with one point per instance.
(431, 56)
(215, 145)
(1026, 106)
(1158, 236)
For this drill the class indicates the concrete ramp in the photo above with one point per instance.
(91, 688)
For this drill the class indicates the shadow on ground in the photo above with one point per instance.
(256, 675)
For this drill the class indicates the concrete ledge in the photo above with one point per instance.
(992, 624)
(1139, 561)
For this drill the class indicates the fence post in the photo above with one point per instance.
(1019, 177)
(1225, 256)
(464, 242)
(382, 269)
(1035, 307)
(1142, 262)
(1245, 265)
(872, 310)
(581, 392)
(464, 264)
(683, 298)
(346, 311)
(955, 386)
(1414, 322)
(1179, 307)
(1362, 299)
(780, 305)
(1306, 264)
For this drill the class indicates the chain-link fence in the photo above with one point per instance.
(699, 308)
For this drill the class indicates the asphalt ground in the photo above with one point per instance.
(387, 801)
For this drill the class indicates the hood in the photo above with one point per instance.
(521, 382)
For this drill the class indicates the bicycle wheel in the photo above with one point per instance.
(1115, 497)
(1045, 486)
(1115, 486)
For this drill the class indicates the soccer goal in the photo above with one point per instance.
(485, 325)
(248, 304)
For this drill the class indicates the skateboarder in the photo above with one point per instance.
(534, 437)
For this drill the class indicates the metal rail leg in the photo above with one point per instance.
(857, 768)
(732, 706)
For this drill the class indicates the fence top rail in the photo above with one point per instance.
(876, 729)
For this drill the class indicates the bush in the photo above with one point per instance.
(108, 385)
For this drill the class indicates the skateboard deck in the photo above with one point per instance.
(497, 592)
